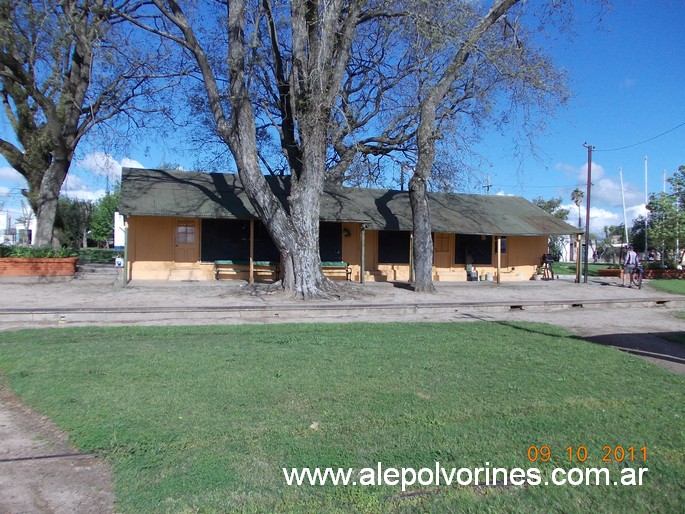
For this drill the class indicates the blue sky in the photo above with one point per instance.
(627, 73)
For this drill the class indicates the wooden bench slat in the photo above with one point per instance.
(238, 266)
(337, 266)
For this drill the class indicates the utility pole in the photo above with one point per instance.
(488, 186)
(590, 149)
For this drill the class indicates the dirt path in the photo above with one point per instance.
(40, 472)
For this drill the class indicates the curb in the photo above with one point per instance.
(315, 312)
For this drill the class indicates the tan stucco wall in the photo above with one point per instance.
(152, 251)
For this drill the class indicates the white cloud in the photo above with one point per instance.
(636, 210)
(600, 218)
(606, 201)
(8, 174)
(73, 183)
(606, 190)
(4, 190)
(131, 163)
(104, 165)
(97, 164)
(77, 189)
(84, 194)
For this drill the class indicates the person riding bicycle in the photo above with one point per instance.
(630, 264)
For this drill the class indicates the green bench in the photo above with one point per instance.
(333, 267)
(231, 266)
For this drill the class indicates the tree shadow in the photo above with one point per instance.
(659, 346)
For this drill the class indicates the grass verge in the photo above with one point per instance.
(669, 286)
(569, 268)
(205, 418)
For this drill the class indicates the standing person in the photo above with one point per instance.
(629, 265)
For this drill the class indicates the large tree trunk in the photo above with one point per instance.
(303, 277)
(307, 280)
(418, 197)
(295, 233)
(48, 198)
(423, 242)
(319, 54)
(426, 136)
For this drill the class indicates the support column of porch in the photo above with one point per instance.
(499, 258)
(251, 279)
(363, 259)
(411, 257)
(579, 252)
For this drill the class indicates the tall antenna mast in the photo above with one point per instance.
(623, 198)
(646, 202)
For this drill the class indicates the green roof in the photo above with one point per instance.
(215, 195)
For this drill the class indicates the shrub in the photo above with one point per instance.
(36, 252)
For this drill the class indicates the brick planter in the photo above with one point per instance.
(610, 273)
(648, 273)
(664, 273)
(37, 267)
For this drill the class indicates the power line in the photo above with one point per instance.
(641, 142)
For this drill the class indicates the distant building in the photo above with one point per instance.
(24, 234)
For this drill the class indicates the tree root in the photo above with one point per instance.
(328, 290)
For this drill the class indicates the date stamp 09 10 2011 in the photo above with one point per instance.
(581, 454)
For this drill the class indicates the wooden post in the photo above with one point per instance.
(411, 257)
(590, 148)
(363, 256)
(126, 274)
(251, 279)
(578, 256)
(499, 257)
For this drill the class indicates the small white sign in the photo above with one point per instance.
(119, 233)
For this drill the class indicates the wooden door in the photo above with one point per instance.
(186, 241)
(442, 246)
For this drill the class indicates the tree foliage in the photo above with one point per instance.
(338, 86)
(73, 222)
(553, 207)
(295, 53)
(102, 218)
(666, 220)
(67, 67)
(470, 53)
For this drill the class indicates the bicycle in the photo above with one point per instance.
(636, 277)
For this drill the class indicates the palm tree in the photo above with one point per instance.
(577, 196)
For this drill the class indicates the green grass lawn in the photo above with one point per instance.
(569, 268)
(205, 418)
(669, 286)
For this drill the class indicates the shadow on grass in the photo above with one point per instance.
(656, 345)
(666, 346)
